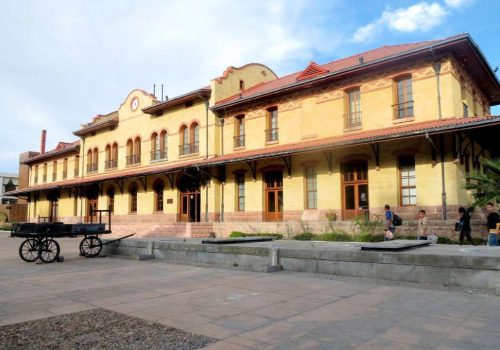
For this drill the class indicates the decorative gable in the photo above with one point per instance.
(311, 71)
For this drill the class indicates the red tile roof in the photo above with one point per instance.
(61, 148)
(332, 67)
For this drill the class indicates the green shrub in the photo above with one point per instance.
(334, 237)
(445, 240)
(304, 236)
(369, 237)
(238, 234)
(5, 227)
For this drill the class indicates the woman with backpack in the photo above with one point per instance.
(463, 225)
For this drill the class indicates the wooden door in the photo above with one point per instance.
(91, 210)
(54, 205)
(273, 196)
(354, 189)
(190, 206)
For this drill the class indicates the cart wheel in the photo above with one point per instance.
(28, 250)
(91, 246)
(49, 250)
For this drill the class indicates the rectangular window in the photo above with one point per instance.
(36, 174)
(404, 98)
(353, 117)
(44, 172)
(272, 124)
(408, 188)
(239, 138)
(54, 171)
(240, 184)
(311, 188)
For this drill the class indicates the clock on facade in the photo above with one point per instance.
(135, 103)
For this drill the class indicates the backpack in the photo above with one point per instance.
(396, 220)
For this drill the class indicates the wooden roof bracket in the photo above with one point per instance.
(376, 152)
(288, 164)
(119, 183)
(329, 160)
(144, 181)
(252, 164)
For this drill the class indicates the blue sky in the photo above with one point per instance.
(63, 62)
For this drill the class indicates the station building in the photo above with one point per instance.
(254, 152)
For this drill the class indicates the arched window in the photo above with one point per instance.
(155, 146)
(77, 166)
(137, 149)
(158, 187)
(163, 144)
(65, 168)
(45, 172)
(130, 151)
(108, 161)
(132, 191)
(239, 131)
(114, 154)
(54, 170)
(95, 159)
(89, 160)
(184, 140)
(111, 198)
(195, 137)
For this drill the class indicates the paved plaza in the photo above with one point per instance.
(248, 310)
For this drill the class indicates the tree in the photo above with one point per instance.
(485, 185)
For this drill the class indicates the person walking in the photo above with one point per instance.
(493, 223)
(464, 225)
(389, 224)
(423, 225)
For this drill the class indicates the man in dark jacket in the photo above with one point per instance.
(493, 223)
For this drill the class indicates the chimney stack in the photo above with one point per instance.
(43, 141)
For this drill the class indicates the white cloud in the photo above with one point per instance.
(458, 3)
(420, 17)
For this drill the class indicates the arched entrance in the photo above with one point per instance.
(189, 201)
(354, 188)
(92, 193)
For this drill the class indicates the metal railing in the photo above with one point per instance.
(159, 154)
(239, 141)
(54, 177)
(272, 134)
(44, 178)
(403, 110)
(352, 119)
(188, 148)
(133, 159)
(91, 168)
(76, 172)
(65, 175)
(35, 180)
(110, 164)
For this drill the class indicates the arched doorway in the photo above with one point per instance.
(189, 201)
(92, 194)
(354, 188)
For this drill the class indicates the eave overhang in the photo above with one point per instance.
(111, 123)
(178, 100)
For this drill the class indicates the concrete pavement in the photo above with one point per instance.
(248, 310)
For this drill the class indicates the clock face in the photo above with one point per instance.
(135, 103)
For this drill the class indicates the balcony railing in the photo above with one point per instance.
(44, 178)
(110, 164)
(35, 180)
(77, 172)
(134, 159)
(160, 154)
(403, 110)
(91, 168)
(352, 119)
(188, 148)
(65, 174)
(239, 141)
(272, 134)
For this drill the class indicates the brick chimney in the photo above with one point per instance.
(43, 141)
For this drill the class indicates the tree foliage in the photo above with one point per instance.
(486, 184)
